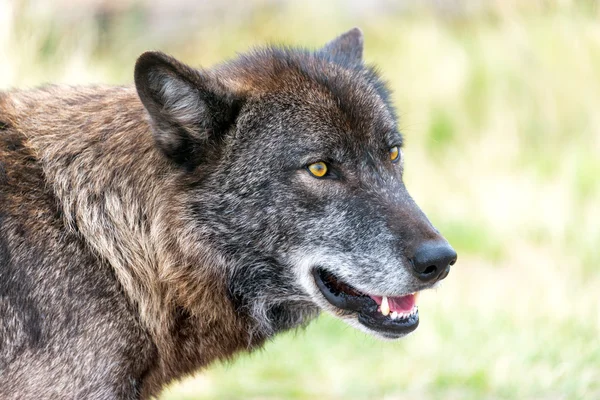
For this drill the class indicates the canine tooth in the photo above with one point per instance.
(416, 296)
(385, 307)
(394, 315)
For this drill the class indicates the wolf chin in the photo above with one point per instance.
(148, 230)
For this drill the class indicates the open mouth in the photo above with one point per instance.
(391, 316)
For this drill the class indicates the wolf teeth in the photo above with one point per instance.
(385, 306)
(404, 315)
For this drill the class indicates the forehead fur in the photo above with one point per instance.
(316, 77)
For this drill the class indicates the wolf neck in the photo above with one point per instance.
(121, 196)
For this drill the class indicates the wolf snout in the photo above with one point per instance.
(432, 260)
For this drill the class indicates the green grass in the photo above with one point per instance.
(500, 112)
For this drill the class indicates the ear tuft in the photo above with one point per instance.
(347, 48)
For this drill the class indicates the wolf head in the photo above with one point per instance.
(291, 164)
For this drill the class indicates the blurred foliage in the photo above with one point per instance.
(499, 105)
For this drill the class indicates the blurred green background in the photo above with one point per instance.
(500, 105)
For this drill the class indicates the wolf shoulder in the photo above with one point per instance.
(55, 293)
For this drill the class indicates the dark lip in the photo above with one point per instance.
(351, 301)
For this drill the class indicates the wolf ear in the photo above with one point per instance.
(188, 109)
(346, 48)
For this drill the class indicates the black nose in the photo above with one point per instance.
(432, 260)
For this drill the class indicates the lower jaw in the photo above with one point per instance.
(391, 329)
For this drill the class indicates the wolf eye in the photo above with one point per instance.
(394, 153)
(318, 169)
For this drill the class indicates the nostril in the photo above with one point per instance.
(429, 270)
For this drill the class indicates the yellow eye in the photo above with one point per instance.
(318, 169)
(395, 153)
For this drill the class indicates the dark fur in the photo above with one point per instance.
(139, 241)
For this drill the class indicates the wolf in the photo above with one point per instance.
(148, 230)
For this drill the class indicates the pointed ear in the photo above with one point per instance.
(188, 109)
(346, 48)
